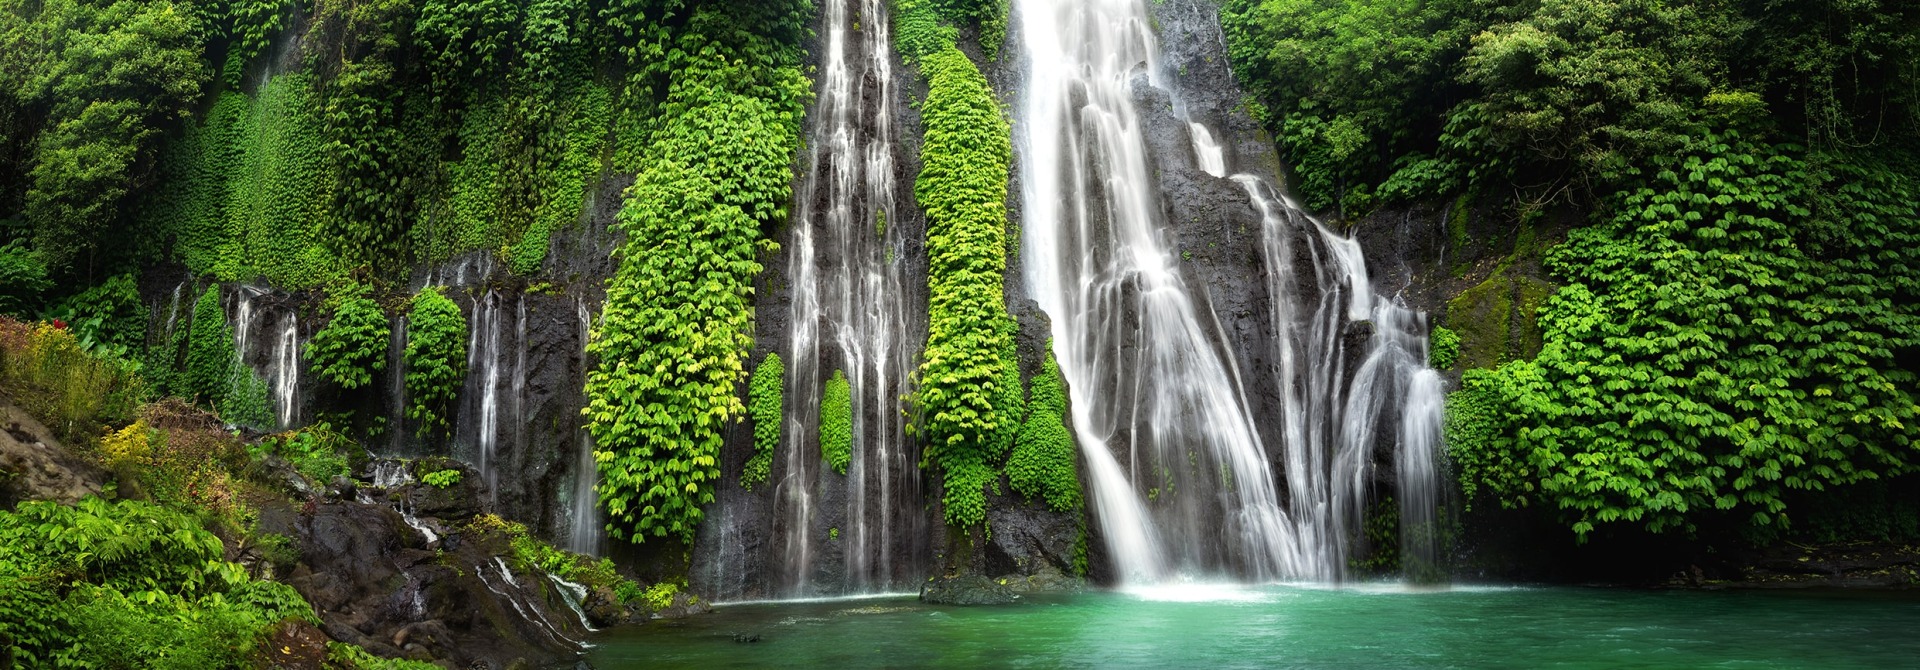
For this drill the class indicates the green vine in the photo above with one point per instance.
(353, 345)
(969, 396)
(676, 323)
(1042, 466)
(764, 402)
(436, 358)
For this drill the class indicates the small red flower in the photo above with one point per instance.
(62, 325)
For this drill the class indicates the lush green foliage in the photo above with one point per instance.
(441, 478)
(1736, 331)
(1443, 348)
(969, 396)
(436, 357)
(90, 83)
(1707, 355)
(1043, 464)
(676, 323)
(108, 319)
(353, 345)
(77, 394)
(1553, 98)
(836, 423)
(23, 278)
(210, 354)
(128, 584)
(317, 451)
(765, 404)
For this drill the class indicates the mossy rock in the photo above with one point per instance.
(1497, 319)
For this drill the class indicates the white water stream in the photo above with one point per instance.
(850, 312)
(1182, 482)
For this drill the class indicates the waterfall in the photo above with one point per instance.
(849, 312)
(586, 534)
(280, 367)
(487, 350)
(285, 372)
(1418, 462)
(1182, 482)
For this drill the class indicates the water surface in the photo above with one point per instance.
(1307, 627)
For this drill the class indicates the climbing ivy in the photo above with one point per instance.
(676, 322)
(969, 397)
(353, 345)
(1716, 346)
(836, 423)
(1042, 466)
(210, 353)
(436, 358)
(764, 403)
(1443, 348)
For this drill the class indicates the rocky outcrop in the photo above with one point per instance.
(403, 585)
(33, 466)
(967, 590)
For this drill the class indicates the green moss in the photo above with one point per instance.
(210, 353)
(836, 423)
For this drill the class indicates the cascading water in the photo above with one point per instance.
(1179, 469)
(280, 368)
(487, 358)
(1156, 387)
(849, 311)
(586, 535)
(285, 372)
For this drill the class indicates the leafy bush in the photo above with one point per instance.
(108, 318)
(836, 423)
(436, 358)
(1443, 348)
(179, 454)
(77, 394)
(1043, 465)
(353, 345)
(441, 478)
(23, 278)
(317, 451)
(764, 402)
(128, 584)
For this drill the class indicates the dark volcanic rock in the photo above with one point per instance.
(33, 466)
(967, 590)
(373, 583)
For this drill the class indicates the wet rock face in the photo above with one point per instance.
(33, 466)
(374, 583)
(967, 590)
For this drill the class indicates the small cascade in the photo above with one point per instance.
(1207, 153)
(574, 594)
(587, 534)
(850, 313)
(279, 367)
(389, 476)
(1422, 450)
(530, 611)
(284, 372)
(397, 387)
(496, 367)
